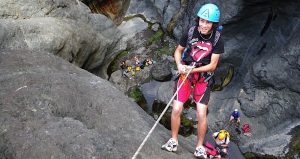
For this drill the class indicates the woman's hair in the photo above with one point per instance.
(214, 27)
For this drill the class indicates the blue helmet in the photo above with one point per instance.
(209, 12)
(235, 113)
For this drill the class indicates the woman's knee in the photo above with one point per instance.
(177, 108)
(176, 111)
(201, 116)
(201, 110)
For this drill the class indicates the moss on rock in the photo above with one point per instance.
(115, 64)
(250, 155)
(155, 37)
(294, 146)
(136, 94)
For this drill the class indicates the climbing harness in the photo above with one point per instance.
(161, 115)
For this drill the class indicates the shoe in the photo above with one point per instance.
(200, 152)
(170, 146)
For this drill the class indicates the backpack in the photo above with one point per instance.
(196, 58)
(210, 149)
(246, 128)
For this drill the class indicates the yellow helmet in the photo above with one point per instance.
(223, 134)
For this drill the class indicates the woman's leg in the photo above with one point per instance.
(175, 118)
(202, 123)
(182, 96)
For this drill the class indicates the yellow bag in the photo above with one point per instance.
(138, 68)
(129, 68)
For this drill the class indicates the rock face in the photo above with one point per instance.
(52, 109)
(264, 53)
(65, 28)
(265, 86)
(161, 71)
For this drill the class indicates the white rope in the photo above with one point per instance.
(161, 115)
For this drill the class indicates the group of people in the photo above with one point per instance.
(201, 46)
(222, 137)
(129, 70)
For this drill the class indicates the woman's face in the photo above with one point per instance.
(205, 26)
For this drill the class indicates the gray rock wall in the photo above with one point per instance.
(263, 46)
(65, 28)
(261, 40)
(52, 109)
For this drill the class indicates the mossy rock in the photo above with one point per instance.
(186, 122)
(158, 106)
(294, 146)
(166, 120)
(115, 64)
(136, 94)
(165, 50)
(156, 37)
(186, 127)
(250, 155)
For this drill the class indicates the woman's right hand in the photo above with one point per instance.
(184, 69)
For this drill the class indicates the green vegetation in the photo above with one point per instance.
(186, 128)
(186, 122)
(165, 50)
(294, 147)
(115, 64)
(250, 155)
(155, 37)
(295, 142)
(187, 125)
(136, 94)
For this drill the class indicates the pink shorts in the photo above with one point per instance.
(196, 85)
